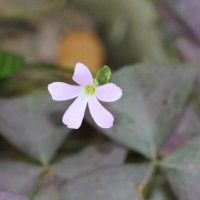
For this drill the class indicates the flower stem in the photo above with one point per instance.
(145, 185)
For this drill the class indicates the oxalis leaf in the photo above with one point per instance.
(113, 183)
(182, 169)
(187, 11)
(33, 123)
(10, 63)
(18, 176)
(187, 127)
(89, 159)
(153, 98)
(78, 165)
(41, 183)
(11, 196)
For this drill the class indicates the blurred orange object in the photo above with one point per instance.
(81, 46)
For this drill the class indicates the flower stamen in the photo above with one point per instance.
(89, 90)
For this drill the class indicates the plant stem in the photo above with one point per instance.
(143, 188)
(37, 11)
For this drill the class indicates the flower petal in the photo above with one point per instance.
(101, 116)
(82, 75)
(73, 117)
(108, 92)
(62, 91)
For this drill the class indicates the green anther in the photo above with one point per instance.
(89, 90)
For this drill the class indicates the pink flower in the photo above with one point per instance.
(85, 93)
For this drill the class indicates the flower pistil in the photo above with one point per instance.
(89, 90)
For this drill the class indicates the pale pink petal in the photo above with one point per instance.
(108, 92)
(82, 75)
(62, 91)
(101, 116)
(73, 117)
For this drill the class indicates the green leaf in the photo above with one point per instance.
(10, 63)
(134, 37)
(153, 98)
(33, 123)
(17, 176)
(33, 75)
(11, 196)
(89, 159)
(113, 183)
(182, 169)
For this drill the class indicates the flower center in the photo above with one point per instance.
(89, 90)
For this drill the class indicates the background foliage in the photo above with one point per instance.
(152, 152)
